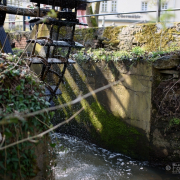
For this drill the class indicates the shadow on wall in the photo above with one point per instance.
(107, 118)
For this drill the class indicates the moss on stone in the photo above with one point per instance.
(93, 19)
(85, 34)
(111, 35)
(153, 39)
(108, 131)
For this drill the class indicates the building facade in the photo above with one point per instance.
(121, 6)
(15, 22)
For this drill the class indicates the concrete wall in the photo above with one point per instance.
(126, 117)
(129, 99)
(110, 116)
(117, 118)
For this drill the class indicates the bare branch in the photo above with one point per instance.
(78, 99)
(41, 134)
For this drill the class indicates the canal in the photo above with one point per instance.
(78, 159)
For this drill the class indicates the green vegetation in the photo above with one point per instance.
(111, 131)
(107, 130)
(174, 122)
(21, 92)
(137, 53)
(111, 34)
(17, 51)
(152, 39)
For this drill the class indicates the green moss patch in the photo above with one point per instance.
(108, 131)
(111, 35)
(111, 132)
(153, 39)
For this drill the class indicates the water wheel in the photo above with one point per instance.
(53, 44)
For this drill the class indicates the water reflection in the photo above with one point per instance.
(80, 160)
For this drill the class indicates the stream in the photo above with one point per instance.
(78, 159)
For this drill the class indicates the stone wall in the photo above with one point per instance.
(151, 37)
(138, 117)
(165, 117)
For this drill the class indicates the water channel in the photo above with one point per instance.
(78, 159)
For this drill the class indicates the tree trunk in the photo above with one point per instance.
(88, 11)
(93, 21)
(96, 11)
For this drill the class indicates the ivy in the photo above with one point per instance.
(20, 92)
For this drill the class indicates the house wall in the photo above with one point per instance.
(134, 6)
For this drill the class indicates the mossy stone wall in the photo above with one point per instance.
(117, 118)
(151, 37)
(124, 118)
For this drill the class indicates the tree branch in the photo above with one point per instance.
(41, 134)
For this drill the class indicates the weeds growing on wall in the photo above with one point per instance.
(20, 92)
(137, 54)
(166, 101)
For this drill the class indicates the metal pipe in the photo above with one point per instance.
(23, 11)
(134, 12)
(24, 25)
(43, 12)
(158, 13)
(174, 7)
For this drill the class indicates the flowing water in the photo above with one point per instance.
(78, 159)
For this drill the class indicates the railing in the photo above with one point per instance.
(158, 13)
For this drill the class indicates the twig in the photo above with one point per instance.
(42, 122)
(168, 92)
(43, 133)
(78, 99)
(3, 139)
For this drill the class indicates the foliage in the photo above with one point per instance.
(166, 101)
(17, 51)
(20, 92)
(136, 54)
(174, 122)
(121, 55)
(62, 51)
(138, 51)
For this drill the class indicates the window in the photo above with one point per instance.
(113, 7)
(104, 6)
(144, 6)
(164, 5)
